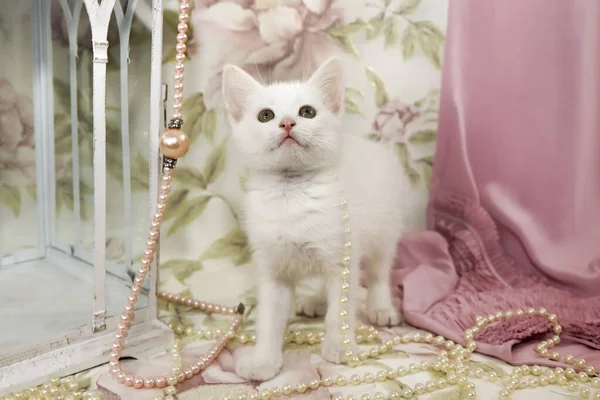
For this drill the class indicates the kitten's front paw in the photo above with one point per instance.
(311, 306)
(332, 349)
(387, 316)
(257, 366)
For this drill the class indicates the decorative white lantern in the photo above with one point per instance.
(61, 293)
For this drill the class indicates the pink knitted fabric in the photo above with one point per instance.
(514, 212)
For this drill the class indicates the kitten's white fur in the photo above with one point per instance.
(293, 214)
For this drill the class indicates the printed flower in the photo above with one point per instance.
(271, 39)
(393, 119)
(17, 154)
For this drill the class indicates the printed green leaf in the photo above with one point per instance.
(488, 367)
(431, 40)
(394, 385)
(114, 165)
(351, 106)
(426, 160)
(244, 180)
(339, 30)
(32, 191)
(84, 190)
(426, 164)
(62, 94)
(64, 196)
(391, 32)
(350, 91)
(182, 269)
(113, 135)
(140, 35)
(215, 162)
(176, 202)
(409, 42)
(249, 297)
(346, 44)
(169, 56)
(373, 137)
(375, 26)
(140, 169)
(209, 125)
(11, 197)
(190, 210)
(423, 137)
(190, 177)
(234, 245)
(413, 175)
(381, 96)
(342, 33)
(193, 110)
(408, 7)
(394, 354)
(450, 394)
(62, 134)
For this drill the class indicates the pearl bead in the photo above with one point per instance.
(301, 387)
(174, 143)
(572, 386)
(430, 386)
(569, 359)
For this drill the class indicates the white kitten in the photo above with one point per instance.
(289, 136)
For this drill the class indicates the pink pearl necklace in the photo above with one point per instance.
(174, 144)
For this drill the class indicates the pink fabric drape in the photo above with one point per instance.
(514, 212)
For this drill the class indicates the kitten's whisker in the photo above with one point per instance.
(270, 70)
(258, 73)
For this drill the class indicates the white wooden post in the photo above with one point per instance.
(99, 14)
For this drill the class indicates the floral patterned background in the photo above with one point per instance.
(392, 52)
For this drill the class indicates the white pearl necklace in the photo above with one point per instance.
(450, 360)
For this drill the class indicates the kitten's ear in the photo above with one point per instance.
(237, 86)
(329, 78)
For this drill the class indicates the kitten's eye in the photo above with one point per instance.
(266, 115)
(307, 112)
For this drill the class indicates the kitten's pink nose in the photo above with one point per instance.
(287, 124)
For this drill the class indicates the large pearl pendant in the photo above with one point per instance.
(174, 143)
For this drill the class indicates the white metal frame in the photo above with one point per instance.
(88, 346)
